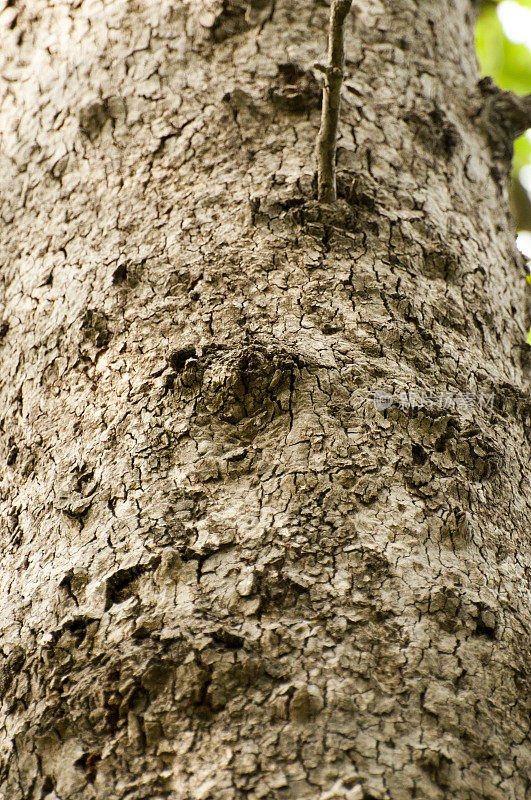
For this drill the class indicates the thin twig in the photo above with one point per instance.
(326, 142)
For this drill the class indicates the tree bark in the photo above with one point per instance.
(227, 570)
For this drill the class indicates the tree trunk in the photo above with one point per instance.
(265, 489)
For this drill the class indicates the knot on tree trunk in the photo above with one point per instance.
(504, 115)
(250, 382)
(296, 89)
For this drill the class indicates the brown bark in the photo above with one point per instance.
(226, 572)
(333, 79)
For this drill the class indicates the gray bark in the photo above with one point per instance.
(226, 572)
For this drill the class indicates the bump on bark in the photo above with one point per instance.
(433, 129)
(296, 89)
(504, 116)
(237, 16)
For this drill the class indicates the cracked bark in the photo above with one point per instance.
(225, 572)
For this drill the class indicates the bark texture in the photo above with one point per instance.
(333, 79)
(226, 573)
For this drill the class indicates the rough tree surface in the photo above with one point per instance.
(226, 572)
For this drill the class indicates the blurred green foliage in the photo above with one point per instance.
(507, 62)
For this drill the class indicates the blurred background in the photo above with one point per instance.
(503, 40)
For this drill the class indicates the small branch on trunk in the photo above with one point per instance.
(326, 142)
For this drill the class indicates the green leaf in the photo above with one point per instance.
(490, 42)
(529, 337)
(507, 62)
(514, 72)
(522, 152)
